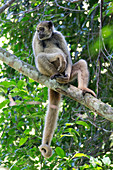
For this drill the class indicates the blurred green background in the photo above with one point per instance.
(82, 140)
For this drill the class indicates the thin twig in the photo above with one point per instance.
(6, 5)
(38, 7)
(100, 48)
(13, 103)
(74, 1)
(108, 61)
(68, 9)
(88, 120)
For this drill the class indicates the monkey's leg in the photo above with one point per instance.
(44, 65)
(80, 70)
(58, 58)
(50, 123)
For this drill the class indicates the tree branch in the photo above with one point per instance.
(6, 5)
(67, 9)
(88, 100)
(74, 1)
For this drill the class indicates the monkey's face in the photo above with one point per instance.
(44, 30)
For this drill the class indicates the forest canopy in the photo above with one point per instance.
(83, 139)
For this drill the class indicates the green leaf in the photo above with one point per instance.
(72, 131)
(79, 155)
(93, 8)
(3, 104)
(11, 131)
(60, 152)
(7, 84)
(21, 123)
(83, 124)
(21, 84)
(27, 131)
(66, 135)
(69, 124)
(3, 89)
(22, 141)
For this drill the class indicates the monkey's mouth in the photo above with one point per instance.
(41, 36)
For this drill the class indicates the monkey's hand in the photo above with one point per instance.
(60, 78)
(63, 79)
(54, 76)
(62, 63)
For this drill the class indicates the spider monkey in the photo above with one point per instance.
(52, 58)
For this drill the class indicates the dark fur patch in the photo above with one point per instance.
(57, 44)
(43, 44)
(55, 76)
(50, 24)
(44, 149)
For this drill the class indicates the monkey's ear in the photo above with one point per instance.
(50, 24)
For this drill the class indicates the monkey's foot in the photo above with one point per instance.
(45, 150)
(87, 90)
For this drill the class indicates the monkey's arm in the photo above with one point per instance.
(64, 79)
(63, 46)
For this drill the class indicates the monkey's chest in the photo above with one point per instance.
(50, 47)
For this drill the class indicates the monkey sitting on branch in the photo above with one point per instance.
(52, 58)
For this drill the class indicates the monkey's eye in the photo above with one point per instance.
(41, 29)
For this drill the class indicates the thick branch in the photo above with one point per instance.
(6, 5)
(89, 101)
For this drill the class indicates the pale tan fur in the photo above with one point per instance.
(52, 59)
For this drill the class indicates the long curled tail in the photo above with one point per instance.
(50, 123)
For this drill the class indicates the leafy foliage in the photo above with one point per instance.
(82, 140)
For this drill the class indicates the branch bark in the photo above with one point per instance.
(88, 100)
(6, 5)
